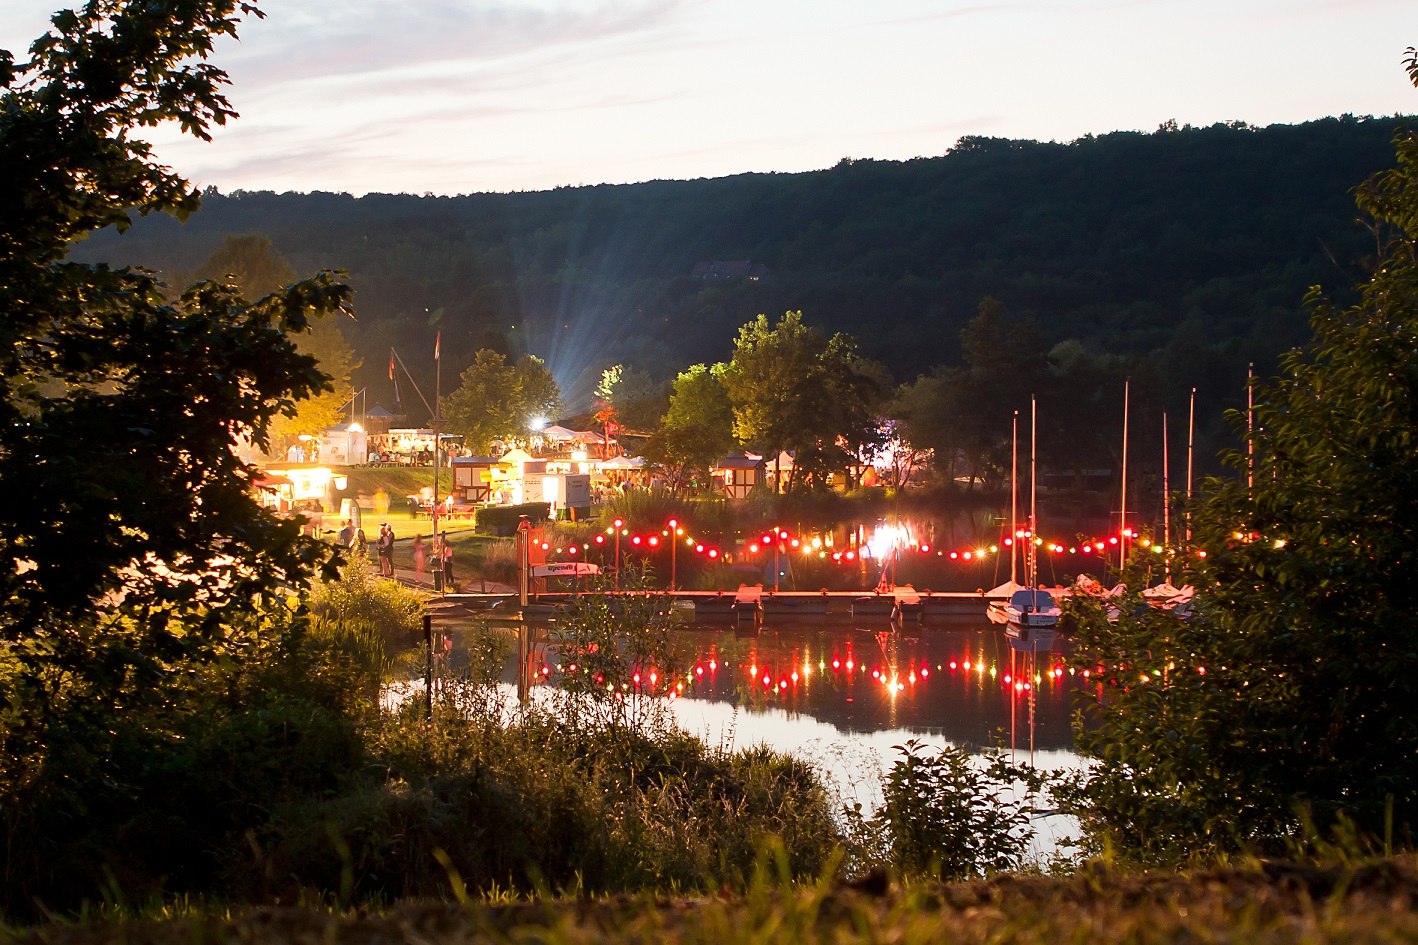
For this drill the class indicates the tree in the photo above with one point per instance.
(499, 401)
(638, 401)
(791, 389)
(1285, 706)
(252, 266)
(697, 429)
(132, 551)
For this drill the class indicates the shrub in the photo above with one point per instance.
(945, 816)
(502, 520)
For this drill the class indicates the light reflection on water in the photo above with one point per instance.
(842, 698)
(960, 683)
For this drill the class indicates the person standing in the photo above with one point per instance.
(420, 558)
(359, 544)
(386, 550)
(346, 533)
(447, 564)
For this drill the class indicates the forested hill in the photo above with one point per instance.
(1194, 245)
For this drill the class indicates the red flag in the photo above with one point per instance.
(437, 342)
(391, 365)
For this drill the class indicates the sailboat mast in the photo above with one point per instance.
(1033, 489)
(1166, 508)
(1191, 439)
(1250, 430)
(1123, 511)
(1014, 500)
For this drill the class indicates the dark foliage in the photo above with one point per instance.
(1191, 245)
(1281, 713)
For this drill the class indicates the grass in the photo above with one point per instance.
(1258, 902)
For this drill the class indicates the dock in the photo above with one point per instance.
(754, 605)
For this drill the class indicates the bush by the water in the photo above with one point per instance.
(501, 520)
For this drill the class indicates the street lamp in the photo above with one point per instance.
(674, 544)
(618, 526)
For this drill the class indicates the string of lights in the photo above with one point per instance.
(897, 542)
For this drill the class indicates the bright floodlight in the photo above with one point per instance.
(539, 424)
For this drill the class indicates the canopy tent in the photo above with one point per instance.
(622, 463)
(560, 434)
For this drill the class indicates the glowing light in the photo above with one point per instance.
(713, 552)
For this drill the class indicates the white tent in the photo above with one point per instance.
(623, 463)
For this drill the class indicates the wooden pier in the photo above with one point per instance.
(753, 605)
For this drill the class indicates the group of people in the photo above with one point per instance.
(354, 539)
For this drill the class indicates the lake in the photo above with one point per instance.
(842, 697)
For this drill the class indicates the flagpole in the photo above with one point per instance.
(437, 421)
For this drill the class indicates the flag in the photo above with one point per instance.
(391, 364)
(437, 342)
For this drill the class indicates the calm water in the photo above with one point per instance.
(835, 689)
(843, 697)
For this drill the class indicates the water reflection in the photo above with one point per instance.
(842, 697)
(967, 684)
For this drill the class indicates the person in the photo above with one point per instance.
(420, 558)
(346, 533)
(359, 544)
(386, 550)
(447, 564)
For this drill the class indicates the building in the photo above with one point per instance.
(737, 474)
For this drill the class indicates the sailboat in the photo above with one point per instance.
(998, 597)
(1031, 609)
(1166, 596)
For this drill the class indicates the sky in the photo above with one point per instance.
(474, 96)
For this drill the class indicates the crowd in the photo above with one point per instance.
(439, 561)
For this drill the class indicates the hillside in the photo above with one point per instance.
(1193, 246)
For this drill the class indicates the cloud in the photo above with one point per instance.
(374, 37)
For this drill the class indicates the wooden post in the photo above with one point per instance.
(428, 664)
